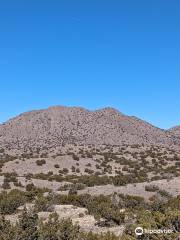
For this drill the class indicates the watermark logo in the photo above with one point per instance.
(139, 231)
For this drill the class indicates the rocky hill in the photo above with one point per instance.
(73, 125)
(175, 131)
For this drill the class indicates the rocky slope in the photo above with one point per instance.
(72, 125)
(175, 131)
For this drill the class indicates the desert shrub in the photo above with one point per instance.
(125, 168)
(65, 170)
(155, 178)
(2, 150)
(89, 155)
(97, 166)
(65, 187)
(50, 173)
(88, 165)
(44, 155)
(55, 229)
(10, 177)
(78, 170)
(30, 187)
(75, 157)
(131, 202)
(165, 194)
(40, 162)
(80, 186)
(73, 169)
(77, 186)
(172, 220)
(89, 171)
(151, 188)
(9, 202)
(6, 230)
(56, 165)
(173, 203)
(6, 185)
(26, 228)
(43, 204)
(18, 184)
(102, 206)
(72, 191)
(121, 180)
(1, 165)
(93, 180)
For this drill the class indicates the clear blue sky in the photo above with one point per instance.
(94, 53)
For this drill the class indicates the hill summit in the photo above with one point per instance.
(59, 125)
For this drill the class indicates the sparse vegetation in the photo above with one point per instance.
(151, 188)
(117, 166)
(40, 162)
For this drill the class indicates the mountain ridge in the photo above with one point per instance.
(59, 125)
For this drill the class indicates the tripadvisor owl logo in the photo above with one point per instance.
(139, 231)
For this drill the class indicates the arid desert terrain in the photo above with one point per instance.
(99, 174)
